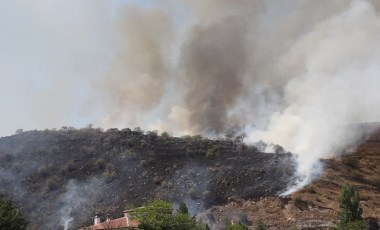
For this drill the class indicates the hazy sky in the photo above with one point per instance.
(49, 52)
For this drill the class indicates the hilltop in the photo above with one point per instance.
(63, 177)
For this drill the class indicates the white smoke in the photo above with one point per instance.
(77, 199)
(335, 82)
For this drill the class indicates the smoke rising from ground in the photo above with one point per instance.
(293, 72)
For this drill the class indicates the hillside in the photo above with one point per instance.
(63, 177)
(315, 206)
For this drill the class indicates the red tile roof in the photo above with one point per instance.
(122, 222)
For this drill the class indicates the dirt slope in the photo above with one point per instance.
(315, 206)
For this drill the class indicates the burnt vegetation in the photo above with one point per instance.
(55, 175)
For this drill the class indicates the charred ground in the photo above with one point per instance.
(67, 175)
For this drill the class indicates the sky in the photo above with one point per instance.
(49, 53)
(298, 73)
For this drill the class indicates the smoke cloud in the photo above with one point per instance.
(333, 86)
(292, 72)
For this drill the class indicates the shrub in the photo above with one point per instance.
(11, 217)
(69, 167)
(110, 167)
(100, 163)
(375, 181)
(109, 176)
(157, 179)
(297, 200)
(214, 151)
(192, 193)
(236, 227)
(349, 213)
(165, 135)
(152, 135)
(143, 162)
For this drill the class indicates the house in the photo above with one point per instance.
(124, 222)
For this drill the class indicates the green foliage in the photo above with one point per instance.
(349, 214)
(11, 218)
(157, 215)
(183, 208)
(236, 227)
(355, 225)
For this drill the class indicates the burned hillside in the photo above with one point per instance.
(62, 177)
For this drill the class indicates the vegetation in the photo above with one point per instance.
(158, 215)
(350, 214)
(11, 217)
(115, 166)
(236, 227)
(297, 200)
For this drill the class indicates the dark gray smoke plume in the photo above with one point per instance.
(293, 72)
(214, 62)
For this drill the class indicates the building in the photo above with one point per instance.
(124, 222)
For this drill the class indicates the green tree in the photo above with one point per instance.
(183, 208)
(350, 214)
(157, 215)
(11, 217)
(236, 227)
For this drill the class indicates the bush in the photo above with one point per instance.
(297, 200)
(110, 167)
(349, 213)
(152, 135)
(158, 215)
(157, 179)
(236, 227)
(100, 163)
(192, 193)
(214, 151)
(11, 217)
(375, 181)
(109, 176)
(143, 162)
(165, 135)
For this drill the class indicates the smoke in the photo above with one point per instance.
(333, 86)
(79, 197)
(293, 72)
(136, 79)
